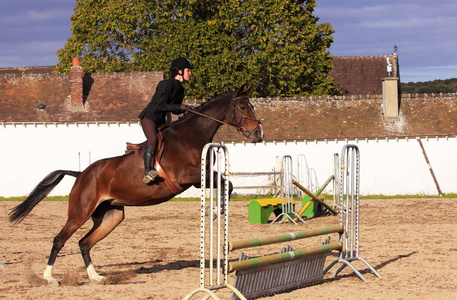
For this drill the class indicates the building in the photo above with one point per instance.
(66, 121)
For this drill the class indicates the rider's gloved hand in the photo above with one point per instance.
(185, 107)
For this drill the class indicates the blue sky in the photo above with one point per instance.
(425, 32)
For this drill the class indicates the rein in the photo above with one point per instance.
(239, 128)
(211, 118)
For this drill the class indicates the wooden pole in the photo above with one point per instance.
(276, 258)
(241, 244)
(314, 197)
(317, 194)
(430, 167)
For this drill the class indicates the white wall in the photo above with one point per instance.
(28, 152)
(387, 167)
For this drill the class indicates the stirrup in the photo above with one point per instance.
(150, 176)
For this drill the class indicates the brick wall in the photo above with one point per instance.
(21, 95)
(340, 117)
(119, 97)
(106, 96)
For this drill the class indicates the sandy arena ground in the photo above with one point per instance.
(154, 253)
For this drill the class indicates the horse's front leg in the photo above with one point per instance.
(224, 183)
(217, 180)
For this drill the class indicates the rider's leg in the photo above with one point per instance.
(150, 130)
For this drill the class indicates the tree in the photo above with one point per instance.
(108, 35)
(275, 46)
(285, 47)
(435, 86)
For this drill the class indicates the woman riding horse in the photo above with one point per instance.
(167, 98)
(103, 189)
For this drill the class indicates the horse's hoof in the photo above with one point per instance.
(98, 280)
(53, 282)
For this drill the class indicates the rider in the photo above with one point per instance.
(167, 98)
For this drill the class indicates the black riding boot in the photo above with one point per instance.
(149, 172)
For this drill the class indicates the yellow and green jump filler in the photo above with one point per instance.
(240, 244)
(261, 209)
(276, 258)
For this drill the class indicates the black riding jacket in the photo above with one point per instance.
(167, 98)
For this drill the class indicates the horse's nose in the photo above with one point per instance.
(258, 135)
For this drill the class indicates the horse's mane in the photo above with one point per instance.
(186, 115)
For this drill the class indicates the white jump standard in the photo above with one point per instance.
(349, 185)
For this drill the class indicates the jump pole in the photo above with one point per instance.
(349, 188)
(319, 191)
(274, 239)
(333, 178)
(277, 258)
(275, 273)
(209, 284)
(314, 197)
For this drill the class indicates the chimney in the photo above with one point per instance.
(390, 99)
(76, 86)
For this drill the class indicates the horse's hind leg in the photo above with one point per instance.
(73, 223)
(106, 217)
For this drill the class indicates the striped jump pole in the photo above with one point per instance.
(289, 269)
(314, 197)
(349, 188)
(256, 242)
(214, 239)
(282, 257)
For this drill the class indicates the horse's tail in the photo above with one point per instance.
(21, 211)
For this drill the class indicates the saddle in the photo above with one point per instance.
(172, 184)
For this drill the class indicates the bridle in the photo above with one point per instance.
(241, 129)
(238, 127)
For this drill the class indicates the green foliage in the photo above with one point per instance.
(107, 35)
(435, 86)
(274, 46)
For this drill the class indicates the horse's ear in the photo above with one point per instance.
(242, 91)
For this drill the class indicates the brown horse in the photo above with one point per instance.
(103, 189)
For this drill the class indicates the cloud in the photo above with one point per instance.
(31, 32)
(423, 31)
(28, 54)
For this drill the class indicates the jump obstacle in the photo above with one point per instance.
(214, 274)
(311, 208)
(290, 268)
(349, 188)
(259, 210)
(288, 208)
(266, 275)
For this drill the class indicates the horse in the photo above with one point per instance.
(103, 189)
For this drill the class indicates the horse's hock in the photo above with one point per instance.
(289, 269)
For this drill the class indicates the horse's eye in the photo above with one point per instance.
(242, 107)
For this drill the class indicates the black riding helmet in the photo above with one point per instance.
(180, 63)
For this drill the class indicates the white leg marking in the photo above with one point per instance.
(48, 276)
(93, 274)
